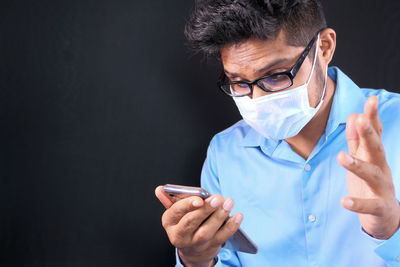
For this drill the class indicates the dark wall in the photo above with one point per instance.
(100, 101)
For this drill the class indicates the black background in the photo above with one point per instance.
(100, 101)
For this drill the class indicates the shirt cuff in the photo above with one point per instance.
(371, 238)
(389, 250)
(179, 263)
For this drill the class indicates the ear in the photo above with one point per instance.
(327, 44)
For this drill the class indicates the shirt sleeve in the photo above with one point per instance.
(225, 258)
(388, 250)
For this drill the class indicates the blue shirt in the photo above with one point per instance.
(291, 206)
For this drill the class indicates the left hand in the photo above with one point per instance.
(369, 179)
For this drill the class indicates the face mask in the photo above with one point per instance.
(280, 115)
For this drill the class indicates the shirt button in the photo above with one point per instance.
(311, 218)
(307, 167)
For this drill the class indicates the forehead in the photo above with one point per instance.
(254, 54)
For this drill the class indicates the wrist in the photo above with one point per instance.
(190, 261)
(384, 231)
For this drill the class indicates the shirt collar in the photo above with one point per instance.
(347, 99)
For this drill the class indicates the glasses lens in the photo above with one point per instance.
(275, 82)
(238, 89)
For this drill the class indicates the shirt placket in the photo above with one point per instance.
(315, 193)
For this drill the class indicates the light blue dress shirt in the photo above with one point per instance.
(291, 206)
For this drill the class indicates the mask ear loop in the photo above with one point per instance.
(323, 92)
(315, 60)
(312, 71)
(325, 79)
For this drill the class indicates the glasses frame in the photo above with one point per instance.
(291, 73)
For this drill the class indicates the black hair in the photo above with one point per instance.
(216, 23)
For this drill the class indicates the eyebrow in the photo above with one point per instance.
(263, 69)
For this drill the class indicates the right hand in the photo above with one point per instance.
(196, 226)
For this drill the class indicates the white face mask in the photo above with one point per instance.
(280, 115)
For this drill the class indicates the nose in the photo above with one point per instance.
(258, 92)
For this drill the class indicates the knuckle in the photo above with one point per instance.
(229, 228)
(369, 131)
(176, 239)
(223, 217)
(164, 220)
(379, 147)
(202, 236)
(376, 172)
(188, 221)
(232, 227)
(380, 127)
(173, 241)
(184, 206)
(380, 130)
(225, 234)
(219, 240)
(379, 207)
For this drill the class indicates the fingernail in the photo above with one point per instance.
(215, 203)
(228, 204)
(348, 203)
(349, 159)
(196, 203)
(238, 218)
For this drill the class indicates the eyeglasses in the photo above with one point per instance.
(270, 83)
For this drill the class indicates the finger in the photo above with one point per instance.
(368, 172)
(214, 222)
(229, 228)
(351, 133)
(192, 220)
(163, 197)
(371, 111)
(370, 142)
(365, 206)
(179, 209)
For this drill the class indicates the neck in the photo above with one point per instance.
(305, 141)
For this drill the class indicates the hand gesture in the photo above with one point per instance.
(369, 179)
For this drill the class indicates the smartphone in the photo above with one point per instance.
(239, 241)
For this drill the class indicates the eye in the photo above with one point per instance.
(240, 88)
(276, 78)
(241, 85)
(275, 81)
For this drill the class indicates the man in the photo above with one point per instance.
(312, 167)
